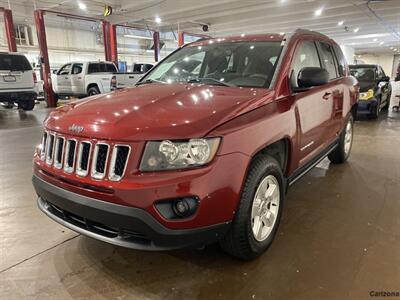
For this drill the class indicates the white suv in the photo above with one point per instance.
(17, 81)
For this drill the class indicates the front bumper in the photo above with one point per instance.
(367, 106)
(117, 224)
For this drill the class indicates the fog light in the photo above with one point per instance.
(178, 208)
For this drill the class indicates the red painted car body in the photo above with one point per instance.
(246, 119)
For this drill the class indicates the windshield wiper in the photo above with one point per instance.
(211, 81)
(149, 81)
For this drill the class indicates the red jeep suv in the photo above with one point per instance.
(203, 148)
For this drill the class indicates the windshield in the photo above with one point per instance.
(363, 74)
(245, 64)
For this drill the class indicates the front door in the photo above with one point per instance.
(64, 80)
(77, 80)
(314, 106)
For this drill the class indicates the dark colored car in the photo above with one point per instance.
(204, 148)
(375, 89)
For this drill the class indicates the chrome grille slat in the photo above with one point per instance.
(99, 161)
(58, 152)
(81, 157)
(50, 149)
(82, 164)
(69, 156)
(43, 150)
(119, 161)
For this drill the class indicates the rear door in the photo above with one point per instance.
(313, 109)
(77, 79)
(15, 72)
(64, 80)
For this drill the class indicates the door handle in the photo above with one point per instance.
(326, 96)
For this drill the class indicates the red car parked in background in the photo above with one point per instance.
(204, 148)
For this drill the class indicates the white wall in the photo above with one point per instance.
(384, 60)
(348, 53)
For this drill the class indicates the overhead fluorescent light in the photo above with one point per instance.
(318, 12)
(340, 23)
(82, 5)
(157, 19)
(132, 36)
(381, 43)
(356, 29)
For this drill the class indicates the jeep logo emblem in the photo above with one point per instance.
(75, 128)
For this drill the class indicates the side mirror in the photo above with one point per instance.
(385, 79)
(311, 76)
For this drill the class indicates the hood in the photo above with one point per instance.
(366, 85)
(156, 111)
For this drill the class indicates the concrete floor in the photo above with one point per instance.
(339, 237)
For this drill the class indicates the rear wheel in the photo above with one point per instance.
(94, 90)
(342, 151)
(26, 105)
(259, 211)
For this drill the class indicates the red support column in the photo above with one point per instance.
(113, 44)
(44, 58)
(181, 38)
(106, 39)
(156, 40)
(9, 26)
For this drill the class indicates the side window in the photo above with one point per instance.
(93, 68)
(328, 60)
(77, 69)
(341, 60)
(65, 70)
(306, 56)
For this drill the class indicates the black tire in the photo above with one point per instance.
(94, 90)
(26, 105)
(375, 111)
(240, 241)
(339, 155)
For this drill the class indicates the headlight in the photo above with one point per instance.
(167, 155)
(367, 95)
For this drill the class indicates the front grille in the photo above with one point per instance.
(79, 157)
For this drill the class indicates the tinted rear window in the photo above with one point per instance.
(14, 63)
(101, 67)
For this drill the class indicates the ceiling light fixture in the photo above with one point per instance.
(356, 29)
(340, 23)
(375, 40)
(82, 5)
(157, 19)
(381, 43)
(318, 12)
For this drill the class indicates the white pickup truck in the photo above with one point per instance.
(81, 79)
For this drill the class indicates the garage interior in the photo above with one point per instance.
(340, 230)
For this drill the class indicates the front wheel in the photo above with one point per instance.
(342, 151)
(259, 211)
